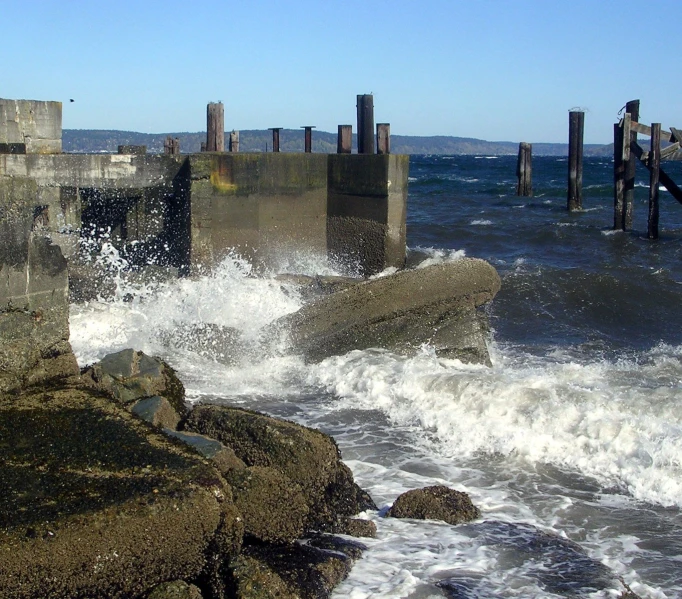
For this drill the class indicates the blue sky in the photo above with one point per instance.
(499, 70)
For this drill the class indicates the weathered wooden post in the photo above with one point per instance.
(202, 148)
(383, 138)
(576, 126)
(524, 170)
(234, 141)
(365, 108)
(618, 177)
(308, 141)
(654, 178)
(631, 108)
(171, 146)
(275, 138)
(215, 127)
(344, 142)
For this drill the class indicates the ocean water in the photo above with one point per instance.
(571, 444)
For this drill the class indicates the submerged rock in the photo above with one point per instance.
(557, 565)
(436, 305)
(308, 457)
(435, 503)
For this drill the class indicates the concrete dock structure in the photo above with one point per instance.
(190, 211)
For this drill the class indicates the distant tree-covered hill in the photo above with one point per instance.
(291, 140)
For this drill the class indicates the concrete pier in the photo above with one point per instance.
(191, 211)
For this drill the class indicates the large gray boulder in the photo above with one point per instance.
(436, 305)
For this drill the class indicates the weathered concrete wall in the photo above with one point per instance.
(34, 123)
(367, 209)
(190, 211)
(34, 309)
(262, 205)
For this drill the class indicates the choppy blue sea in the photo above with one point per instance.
(571, 444)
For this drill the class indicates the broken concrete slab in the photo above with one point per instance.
(436, 305)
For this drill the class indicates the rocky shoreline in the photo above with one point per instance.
(114, 487)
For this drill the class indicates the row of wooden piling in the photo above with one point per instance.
(215, 132)
(524, 165)
(626, 153)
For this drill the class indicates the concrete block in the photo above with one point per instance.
(34, 123)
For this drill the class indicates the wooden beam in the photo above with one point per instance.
(666, 181)
(646, 130)
(671, 149)
(676, 135)
(627, 126)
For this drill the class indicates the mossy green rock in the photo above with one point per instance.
(94, 503)
(288, 572)
(273, 507)
(307, 456)
(435, 503)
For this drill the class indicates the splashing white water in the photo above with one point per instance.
(618, 422)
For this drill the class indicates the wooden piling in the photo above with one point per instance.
(171, 146)
(654, 179)
(345, 139)
(234, 141)
(618, 177)
(524, 170)
(631, 108)
(275, 138)
(383, 138)
(365, 108)
(576, 126)
(308, 138)
(215, 127)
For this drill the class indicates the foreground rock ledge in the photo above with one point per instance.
(93, 503)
